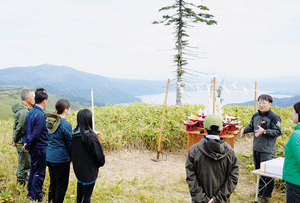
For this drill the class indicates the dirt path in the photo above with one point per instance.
(131, 163)
(118, 163)
(128, 164)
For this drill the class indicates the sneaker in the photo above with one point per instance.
(263, 200)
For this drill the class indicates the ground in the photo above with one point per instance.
(131, 163)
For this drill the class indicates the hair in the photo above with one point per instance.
(24, 93)
(297, 109)
(40, 89)
(40, 95)
(61, 105)
(84, 122)
(214, 130)
(265, 97)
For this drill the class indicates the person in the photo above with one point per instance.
(35, 140)
(212, 168)
(291, 170)
(266, 127)
(59, 150)
(87, 156)
(20, 110)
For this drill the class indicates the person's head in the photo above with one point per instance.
(27, 96)
(41, 97)
(85, 121)
(40, 89)
(213, 124)
(265, 102)
(296, 113)
(62, 106)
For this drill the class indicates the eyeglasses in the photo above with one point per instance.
(263, 103)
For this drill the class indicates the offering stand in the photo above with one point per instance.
(195, 132)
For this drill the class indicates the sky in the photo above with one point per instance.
(116, 38)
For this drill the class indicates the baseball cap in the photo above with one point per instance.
(213, 120)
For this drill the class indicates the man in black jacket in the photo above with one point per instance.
(212, 168)
(265, 125)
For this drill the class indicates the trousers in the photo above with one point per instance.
(84, 192)
(59, 180)
(259, 157)
(292, 193)
(37, 172)
(23, 163)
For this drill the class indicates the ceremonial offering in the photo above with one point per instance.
(274, 166)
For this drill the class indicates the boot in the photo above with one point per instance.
(21, 181)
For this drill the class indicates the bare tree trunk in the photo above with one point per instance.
(179, 57)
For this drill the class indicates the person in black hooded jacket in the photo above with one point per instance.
(87, 156)
(212, 168)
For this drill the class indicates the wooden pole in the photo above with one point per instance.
(214, 96)
(162, 120)
(93, 117)
(255, 97)
(211, 81)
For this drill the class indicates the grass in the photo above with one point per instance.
(144, 188)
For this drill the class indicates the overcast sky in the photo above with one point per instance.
(115, 38)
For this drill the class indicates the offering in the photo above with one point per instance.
(189, 125)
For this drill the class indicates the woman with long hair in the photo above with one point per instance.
(59, 150)
(291, 169)
(87, 156)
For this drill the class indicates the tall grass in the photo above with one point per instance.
(135, 125)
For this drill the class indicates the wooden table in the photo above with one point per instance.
(198, 133)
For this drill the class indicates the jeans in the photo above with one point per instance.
(292, 193)
(84, 192)
(59, 180)
(261, 157)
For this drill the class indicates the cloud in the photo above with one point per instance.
(115, 38)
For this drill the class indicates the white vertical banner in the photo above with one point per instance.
(93, 118)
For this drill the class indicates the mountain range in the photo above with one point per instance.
(74, 85)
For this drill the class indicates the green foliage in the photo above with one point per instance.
(219, 90)
(138, 125)
(133, 125)
(182, 18)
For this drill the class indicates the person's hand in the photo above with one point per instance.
(259, 131)
(211, 200)
(25, 150)
(13, 144)
(242, 131)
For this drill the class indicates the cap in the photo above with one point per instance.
(52, 122)
(213, 120)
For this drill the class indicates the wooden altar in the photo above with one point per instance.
(198, 133)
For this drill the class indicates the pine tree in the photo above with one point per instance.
(183, 17)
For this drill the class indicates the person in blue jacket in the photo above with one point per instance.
(59, 150)
(35, 140)
(87, 156)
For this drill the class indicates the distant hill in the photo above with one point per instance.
(282, 102)
(74, 85)
(10, 96)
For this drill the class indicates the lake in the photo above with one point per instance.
(197, 97)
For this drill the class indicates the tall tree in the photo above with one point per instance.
(183, 17)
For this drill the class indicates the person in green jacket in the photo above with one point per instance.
(291, 169)
(20, 111)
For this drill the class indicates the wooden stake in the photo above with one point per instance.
(255, 97)
(214, 96)
(162, 120)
